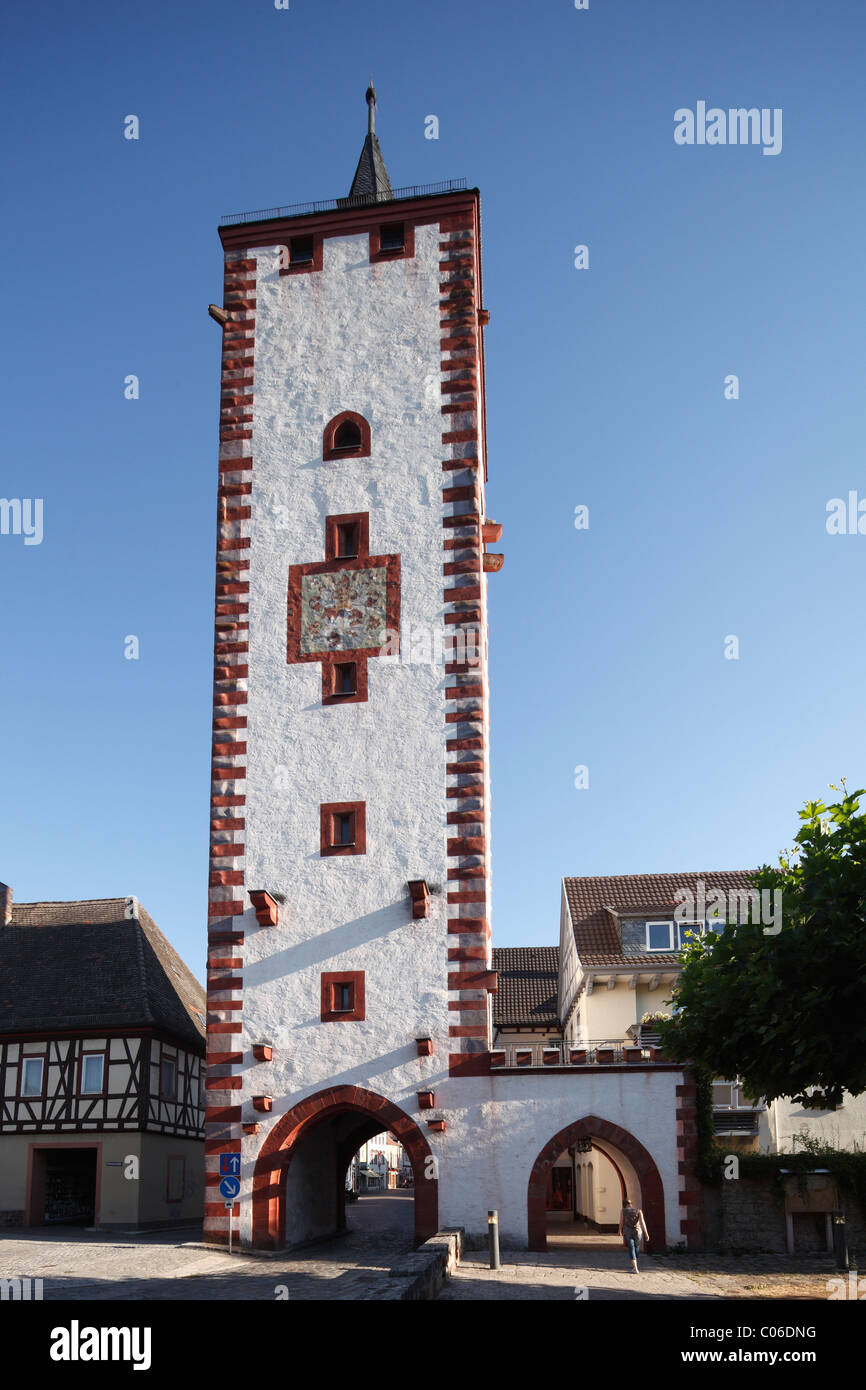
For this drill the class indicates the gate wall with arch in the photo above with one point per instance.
(620, 1141)
(324, 1167)
(498, 1123)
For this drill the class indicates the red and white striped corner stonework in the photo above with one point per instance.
(226, 897)
(690, 1193)
(467, 773)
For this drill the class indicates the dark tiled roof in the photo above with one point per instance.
(85, 965)
(596, 931)
(528, 983)
(371, 177)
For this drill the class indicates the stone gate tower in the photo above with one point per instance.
(349, 943)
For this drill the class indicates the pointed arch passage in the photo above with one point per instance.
(652, 1190)
(346, 436)
(374, 1114)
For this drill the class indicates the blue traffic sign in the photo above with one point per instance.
(230, 1187)
(230, 1164)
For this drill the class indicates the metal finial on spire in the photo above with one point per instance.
(371, 107)
(371, 183)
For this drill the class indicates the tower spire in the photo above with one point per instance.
(371, 107)
(371, 183)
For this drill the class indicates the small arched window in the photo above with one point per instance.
(346, 436)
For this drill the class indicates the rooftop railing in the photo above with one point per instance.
(415, 190)
(600, 1053)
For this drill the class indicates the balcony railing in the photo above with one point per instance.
(603, 1053)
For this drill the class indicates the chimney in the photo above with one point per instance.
(5, 904)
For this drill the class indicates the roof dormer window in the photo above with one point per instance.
(671, 936)
(660, 936)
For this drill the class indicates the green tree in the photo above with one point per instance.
(786, 1012)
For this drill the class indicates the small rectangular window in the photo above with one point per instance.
(31, 1080)
(343, 998)
(91, 1073)
(345, 678)
(344, 828)
(659, 936)
(168, 1078)
(300, 250)
(392, 237)
(347, 540)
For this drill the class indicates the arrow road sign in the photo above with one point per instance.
(230, 1187)
(230, 1164)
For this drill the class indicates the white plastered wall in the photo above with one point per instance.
(497, 1126)
(365, 338)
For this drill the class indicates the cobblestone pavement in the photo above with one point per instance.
(173, 1266)
(758, 1276)
(96, 1266)
(562, 1274)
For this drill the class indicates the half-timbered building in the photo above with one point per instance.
(101, 1068)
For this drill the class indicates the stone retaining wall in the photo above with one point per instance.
(747, 1215)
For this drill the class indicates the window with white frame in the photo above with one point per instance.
(91, 1073)
(728, 1095)
(31, 1076)
(660, 936)
(687, 931)
(671, 936)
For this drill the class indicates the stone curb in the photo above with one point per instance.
(427, 1268)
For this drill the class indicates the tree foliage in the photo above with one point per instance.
(786, 1012)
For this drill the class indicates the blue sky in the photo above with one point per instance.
(605, 388)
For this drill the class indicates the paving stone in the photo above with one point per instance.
(561, 1274)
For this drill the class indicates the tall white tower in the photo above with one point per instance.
(349, 937)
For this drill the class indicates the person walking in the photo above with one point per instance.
(631, 1227)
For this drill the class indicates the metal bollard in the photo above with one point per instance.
(840, 1242)
(493, 1238)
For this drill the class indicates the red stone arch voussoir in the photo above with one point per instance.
(272, 1164)
(652, 1191)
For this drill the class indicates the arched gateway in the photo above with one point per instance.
(317, 1138)
(592, 1127)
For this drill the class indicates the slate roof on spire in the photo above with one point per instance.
(371, 180)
